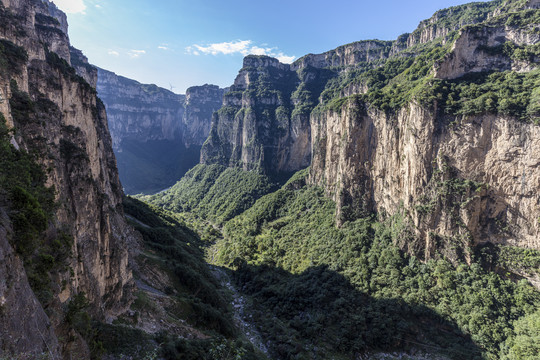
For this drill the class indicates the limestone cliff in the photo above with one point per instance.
(438, 125)
(260, 127)
(156, 133)
(465, 175)
(56, 116)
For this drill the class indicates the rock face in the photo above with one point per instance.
(156, 133)
(25, 329)
(460, 185)
(57, 116)
(200, 104)
(410, 160)
(259, 127)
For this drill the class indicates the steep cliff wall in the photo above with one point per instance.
(137, 111)
(200, 104)
(264, 123)
(439, 123)
(56, 116)
(470, 182)
(462, 167)
(156, 134)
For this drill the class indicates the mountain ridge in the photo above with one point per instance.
(371, 119)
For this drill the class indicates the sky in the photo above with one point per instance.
(180, 43)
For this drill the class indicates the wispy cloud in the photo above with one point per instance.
(113, 53)
(244, 47)
(163, 47)
(71, 6)
(134, 54)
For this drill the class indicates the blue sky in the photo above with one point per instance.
(179, 43)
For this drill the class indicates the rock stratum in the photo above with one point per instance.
(56, 117)
(157, 134)
(441, 123)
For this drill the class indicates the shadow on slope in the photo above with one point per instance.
(181, 311)
(148, 167)
(318, 314)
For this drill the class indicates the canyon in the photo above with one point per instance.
(157, 134)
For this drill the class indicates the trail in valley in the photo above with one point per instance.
(242, 317)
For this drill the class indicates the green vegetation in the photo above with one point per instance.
(313, 284)
(198, 297)
(12, 57)
(30, 206)
(46, 20)
(507, 93)
(214, 192)
(392, 83)
(180, 250)
(525, 342)
(456, 17)
(511, 261)
(122, 340)
(408, 76)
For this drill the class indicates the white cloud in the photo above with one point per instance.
(285, 59)
(71, 6)
(134, 54)
(244, 47)
(114, 53)
(163, 47)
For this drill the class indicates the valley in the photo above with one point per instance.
(376, 201)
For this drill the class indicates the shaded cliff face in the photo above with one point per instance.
(156, 134)
(56, 116)
(25, 328)
(137, 111)
(200, 104)
(264, 122)
(440, 123)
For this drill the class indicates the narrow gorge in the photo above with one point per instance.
(157, 134)
(375, 201)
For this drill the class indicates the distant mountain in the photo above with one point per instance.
(157, 134)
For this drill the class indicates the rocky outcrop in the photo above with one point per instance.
(156, 133)
(25, 329)
(347, 55)
(469, 183)
(80, 63)
(459, 185)
(264, 124)
(57, 116)
(201, 102)
(481, 48)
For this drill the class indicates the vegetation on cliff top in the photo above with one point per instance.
(392, 83)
